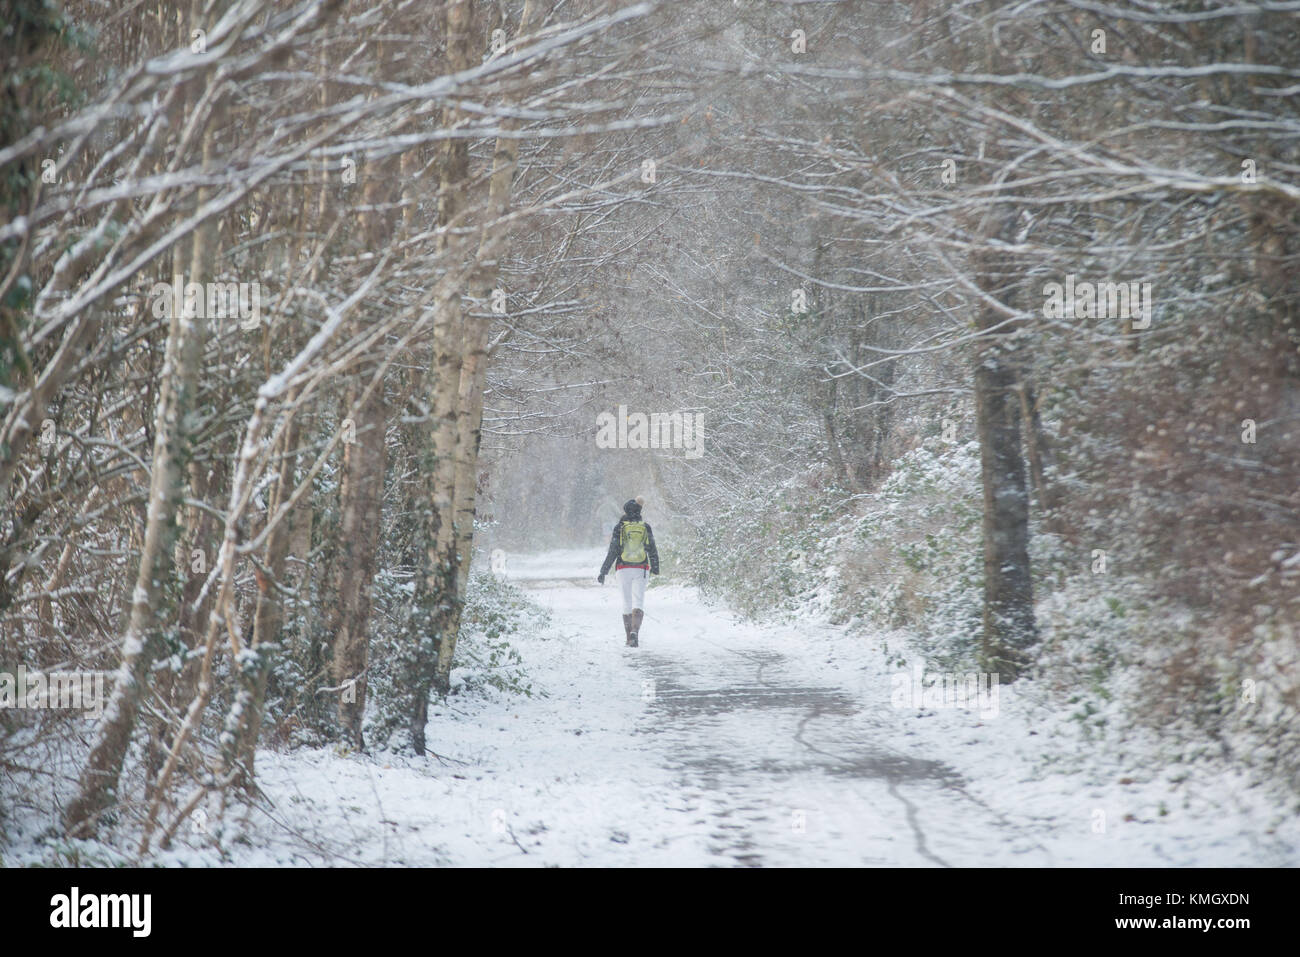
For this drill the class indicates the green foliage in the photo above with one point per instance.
(34, 89)
(36, 86)
(495, 611)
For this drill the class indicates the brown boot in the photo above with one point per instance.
(627, 630)
(637, 616)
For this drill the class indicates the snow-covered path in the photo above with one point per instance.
(721, 743)
(776, 770)
(766, 764)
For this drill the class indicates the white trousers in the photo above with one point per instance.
(633, 581)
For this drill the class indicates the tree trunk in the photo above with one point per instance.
(492, 245)
(1009, 626)
(1038, 451)
(470, 427)
(361, 497)
(436, 605)
(268, 614)
(140, 643)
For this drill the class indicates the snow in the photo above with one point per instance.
(726, 743)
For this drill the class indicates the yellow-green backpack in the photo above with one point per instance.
(632, 541)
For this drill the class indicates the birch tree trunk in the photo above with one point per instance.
(268, 614)
(361, 498)
(141, 641)
(362, 489)
(437, 601)
(473, 381)
(153, 598)
(198, 528)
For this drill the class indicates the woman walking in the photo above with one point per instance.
(632, 546)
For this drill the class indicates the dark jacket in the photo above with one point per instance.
(631, 513)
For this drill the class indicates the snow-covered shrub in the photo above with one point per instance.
(760, 560)
(906, 555)
(495, 612)
(911, 554)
